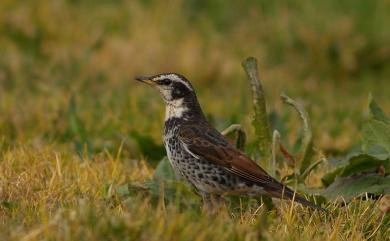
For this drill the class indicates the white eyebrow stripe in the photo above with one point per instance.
(175, 78)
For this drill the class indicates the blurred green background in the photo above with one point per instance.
(67, 67)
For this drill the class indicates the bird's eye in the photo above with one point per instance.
(164, 82)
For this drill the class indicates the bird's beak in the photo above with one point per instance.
(145, 79)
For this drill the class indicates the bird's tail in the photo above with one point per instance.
(284, 192)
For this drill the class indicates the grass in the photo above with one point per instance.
(58, 196)
(70, 112)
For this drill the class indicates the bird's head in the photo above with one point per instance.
(172, 87)
(176, 91)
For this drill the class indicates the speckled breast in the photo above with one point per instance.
(177, 155)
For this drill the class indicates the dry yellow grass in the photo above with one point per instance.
(53, 195)
(69, 109)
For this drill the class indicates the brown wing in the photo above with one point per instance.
(203, 141)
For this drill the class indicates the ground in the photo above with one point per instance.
(75, 128)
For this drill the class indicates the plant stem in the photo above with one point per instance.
(260, 119)
(307, 140)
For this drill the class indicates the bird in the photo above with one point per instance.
(201, 155)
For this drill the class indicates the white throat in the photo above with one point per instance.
(175, 109)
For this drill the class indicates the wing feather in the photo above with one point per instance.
(208, 144)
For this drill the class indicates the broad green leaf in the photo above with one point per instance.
(329, 178)
(362, 163)
(375, 146)
(164, 180)
(164, 171)
(353, 186)
(376, 132)
(376, 112)
(378, 152)
(356, 164)
(376, 136)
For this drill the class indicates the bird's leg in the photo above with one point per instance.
(219, 201)
(207, 202)
(212, 203)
